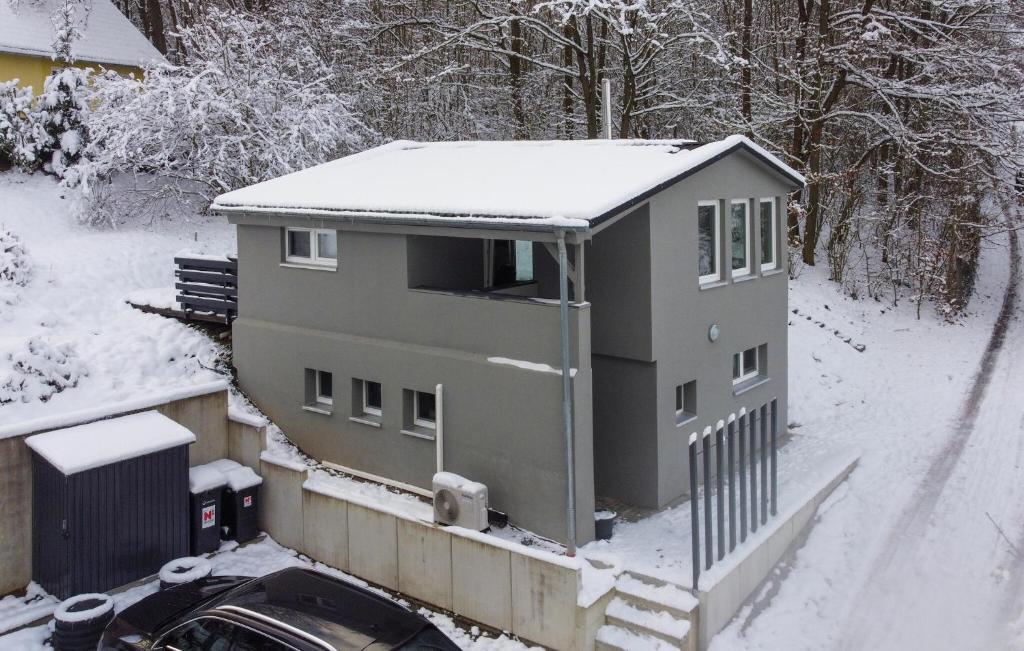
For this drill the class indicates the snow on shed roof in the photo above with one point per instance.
(100, 443)
(532, 185)
(107, 35)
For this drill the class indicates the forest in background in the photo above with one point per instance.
(904, 115)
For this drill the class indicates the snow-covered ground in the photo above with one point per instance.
(918, 549)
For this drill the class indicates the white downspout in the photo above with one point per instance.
(439, 425)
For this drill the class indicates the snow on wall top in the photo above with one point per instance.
(107, 36)
(537, 185)
(103, 442)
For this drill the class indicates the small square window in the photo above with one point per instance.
(745, 365)
(686, 402)
(424, 409)
(324, 388)
(372, 399)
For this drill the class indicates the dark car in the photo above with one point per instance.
(294, 609)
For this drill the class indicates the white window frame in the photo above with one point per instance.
(416, 420)
(774, 264)
(319, 396)
(716, 273)
(743, 377)
(314, 247)
(367, 408)
(742, 271)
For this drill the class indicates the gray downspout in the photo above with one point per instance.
(570, 456)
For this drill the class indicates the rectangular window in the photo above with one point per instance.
(372, 401)
(324, 388)
(769, 229)
(311, 246)
(424, 413)
(508, 262)
(740, 237)
(708, 231)
(745, 365)
(686, 402)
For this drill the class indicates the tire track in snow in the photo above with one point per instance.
(877, 611)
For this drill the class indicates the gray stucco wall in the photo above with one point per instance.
(502, 424)
(749, 312)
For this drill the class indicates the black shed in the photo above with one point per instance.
(110, 502)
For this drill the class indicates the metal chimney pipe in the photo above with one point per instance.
(607, 108)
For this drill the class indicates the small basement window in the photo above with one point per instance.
(315, 246)
(319, 391)
(708, 235)
(324, 388)
(686, 402)
(740, 237)
(424, 409)
(745, 365)
(769, 230)
(369, 398)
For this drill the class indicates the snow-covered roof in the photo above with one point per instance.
(26, 27)
(530, 185)
(100, 443)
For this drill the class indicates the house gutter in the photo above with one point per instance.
(570, 456)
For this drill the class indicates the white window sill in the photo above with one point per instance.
(310, 265)
(742, 278)
(419, 432)
(712, 284)
(748, 385)
(685, 419)
(365, 420)
(324, 410)
(774, 271)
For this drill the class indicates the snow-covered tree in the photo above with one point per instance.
(253, 102)
(18, 129)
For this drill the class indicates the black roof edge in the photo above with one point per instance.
(644, 196)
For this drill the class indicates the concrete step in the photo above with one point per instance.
(655, 623)
(616, 638)
(654, 594)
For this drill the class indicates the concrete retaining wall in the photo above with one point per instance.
(527, 593)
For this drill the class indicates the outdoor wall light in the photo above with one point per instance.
(713, 332)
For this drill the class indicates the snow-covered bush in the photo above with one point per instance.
(14, 261)
(62, 111)
(35, 369)
(20, 131)
(253, 102)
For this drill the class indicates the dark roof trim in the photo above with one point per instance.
(644, 196)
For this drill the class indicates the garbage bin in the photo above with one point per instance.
(241, 499)
(206, 486)
(225, 466)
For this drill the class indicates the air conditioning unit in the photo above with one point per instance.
(459, 501)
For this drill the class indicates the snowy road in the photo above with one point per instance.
(921, 549)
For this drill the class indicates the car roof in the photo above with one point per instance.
(339, 613)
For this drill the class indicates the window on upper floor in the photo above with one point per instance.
(769, 235)
(686, 402)
(508, 262)
(313, 246)
(740, 237)
(708, 237)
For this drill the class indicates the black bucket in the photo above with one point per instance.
(604, 522)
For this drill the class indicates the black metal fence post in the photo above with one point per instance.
(764, 463)
(706, 449)
(731, 435)
(743, 475)
(720, 487)
(694, 517)
(775, 455)
(753, 470)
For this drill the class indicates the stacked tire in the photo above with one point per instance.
(79, 622)
(184, 570)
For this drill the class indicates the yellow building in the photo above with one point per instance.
(109, 41)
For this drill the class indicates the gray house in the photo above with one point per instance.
(408, 309)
